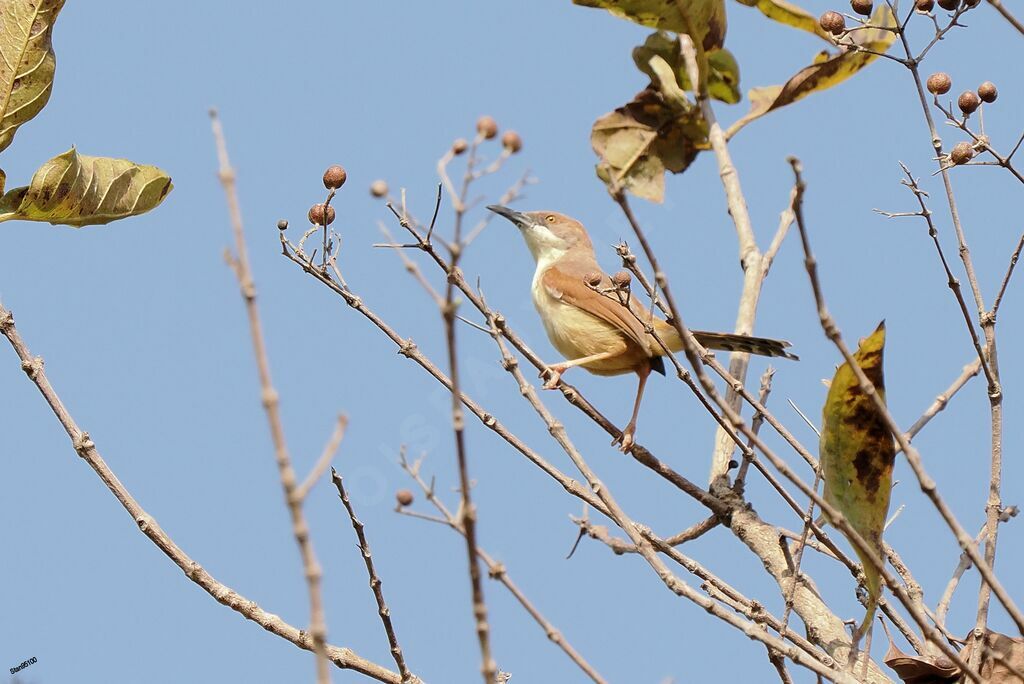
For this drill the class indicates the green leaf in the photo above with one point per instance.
(724, 76)
(702, 20)
(791, 15)
(638, 142)
(857, 454)
(723, 70)
(27, 61)
(77, 190)
(824, 72)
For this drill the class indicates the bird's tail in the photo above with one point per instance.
(763, 346)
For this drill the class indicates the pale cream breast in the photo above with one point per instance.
(575, 334)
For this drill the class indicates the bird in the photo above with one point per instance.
(589, 325)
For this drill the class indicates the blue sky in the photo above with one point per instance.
(144, 336)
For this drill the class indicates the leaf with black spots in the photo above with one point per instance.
(857, 454)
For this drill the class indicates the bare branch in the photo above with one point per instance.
(330, 449)
(375, 581)
(271, 405)
(33, 366)
(497, 571)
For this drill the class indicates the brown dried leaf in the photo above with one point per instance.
(638, 142)
(914, 669)
(999, 670)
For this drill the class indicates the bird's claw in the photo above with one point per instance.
(625, 439)
(552, 377)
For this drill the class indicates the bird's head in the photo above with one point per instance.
(548, 234)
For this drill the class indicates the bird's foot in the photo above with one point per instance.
(552, 376)
(625, 439)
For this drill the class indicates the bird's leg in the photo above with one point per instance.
(625, 440)
(553, 373)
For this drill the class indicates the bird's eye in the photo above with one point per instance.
(549, 218)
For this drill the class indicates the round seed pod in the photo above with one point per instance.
(404, 497)
(987, 91)
(334, 177)
(833, 22)
(962, 153)
(939, 83)
(864, 7)
(321, 214)
(511, 141)
(487, 127)
(378, 188)
(622, 279)
(968, 101)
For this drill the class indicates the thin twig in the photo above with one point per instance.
(942, 400)
(331, 448)
(271, 405)
(497, 571)
(375, 581)
(1014, 21)
(488, 667)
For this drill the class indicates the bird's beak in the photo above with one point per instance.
(520, 219)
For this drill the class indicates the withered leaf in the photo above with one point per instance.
(789, 14)
(638, 142)
(999, 670)
(914, 669)
(27, 61)
(857, 455)
(78, 190)
(825, 71)
(702, 20)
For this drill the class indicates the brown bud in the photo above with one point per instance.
(282, 225)
(404, 497)
(334, 177)
(511, 141)
(459, 146)
(948, 4)
(378, 188)
(833, 22)
(968, 101)
(862, 7)
(924, 5)
(939, 83)
(593, 279)
(971, 3)
(987, 92)
(321, 214)
(487, 127)
(962, 153)
(622, 279)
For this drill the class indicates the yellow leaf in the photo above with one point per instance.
(27, 61)
(77, 190)
(857, 454)
(824, 72)
(702, 20)
(789, 14)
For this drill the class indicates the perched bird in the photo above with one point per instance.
(589, 325)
